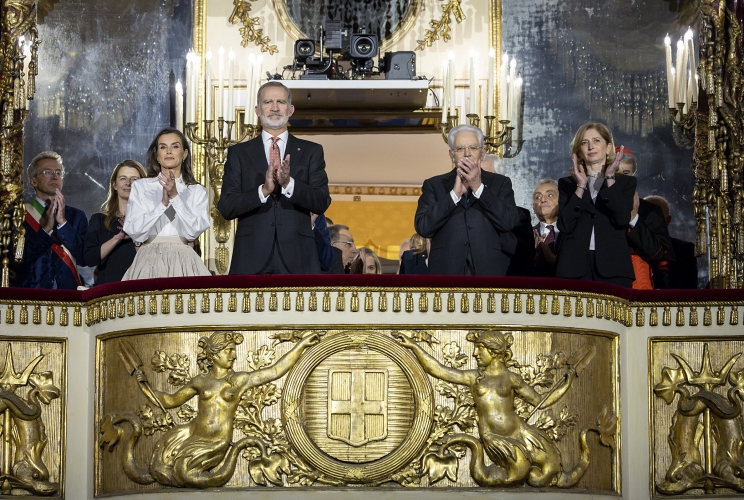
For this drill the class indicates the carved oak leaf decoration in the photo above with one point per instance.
(737, 379)
(671, 380)
(159, 361)
(439, 467)
(43, 387)
(110, 433)
(269, 469)
(262, 357)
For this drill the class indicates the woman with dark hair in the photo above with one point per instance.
(106, 244)
(594, 212)
(166, 212)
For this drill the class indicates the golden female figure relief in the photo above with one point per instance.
(521, 452)
(200, 453)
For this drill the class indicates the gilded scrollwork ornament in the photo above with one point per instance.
(706, 437)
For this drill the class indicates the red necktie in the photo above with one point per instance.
(550, 238)
(275, 158)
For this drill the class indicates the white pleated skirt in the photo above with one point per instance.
(165, 257)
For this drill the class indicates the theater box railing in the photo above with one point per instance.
(342, 385)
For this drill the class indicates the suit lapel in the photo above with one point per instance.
(257, 154)
(448, 180)
(295, 152)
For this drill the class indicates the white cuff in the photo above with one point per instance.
(289, 190)
(260, 194)
(455, 198)
(479, 191)
(634, 221)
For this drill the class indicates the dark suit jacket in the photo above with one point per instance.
(413, 263)
(651, 241)
(683, 271)
(281, 220)
(609, 216)
(522, 258)
(455, 229)
(41, 267)
(542, 267)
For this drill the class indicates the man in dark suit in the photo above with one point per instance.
(55, 231)
(545, 232)
(273, 198)
(682, 270)
(465, 212)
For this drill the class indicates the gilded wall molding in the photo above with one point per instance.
(417, 406)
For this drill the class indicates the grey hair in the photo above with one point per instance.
(33, 167)
(273, 83)
(464, 128)
(498, 163)
(547, 180)
(334, 231)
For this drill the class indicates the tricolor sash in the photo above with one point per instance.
(34, 211)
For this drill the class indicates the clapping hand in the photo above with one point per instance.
(610, 172)
(168, 181)
(282, 173)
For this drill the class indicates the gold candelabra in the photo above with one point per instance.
(215, 143)
(498, 133)
(683, 124)
(17, 85)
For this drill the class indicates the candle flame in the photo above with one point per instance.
(179, 87)
(209, 55)
(667, 41)
(513, 63)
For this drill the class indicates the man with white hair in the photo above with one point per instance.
(55, 231)
(466, 211)
(493, 163)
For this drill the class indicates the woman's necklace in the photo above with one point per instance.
(594, 176)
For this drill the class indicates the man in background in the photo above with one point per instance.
(545, 232)
(683, 270)
(343, 242)
(55, 231)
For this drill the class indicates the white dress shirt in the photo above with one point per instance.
(282, 144)
(477, 193)
(544, 228)
(185, 216)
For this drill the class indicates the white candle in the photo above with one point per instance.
(195, 71)
(674, 86)
(249, 96)
(669, 73)
(230, 115)
(179, 106)
(679, 81)
(208, 86)
(451, 83)
(517, 102)
(473, 87)
(502, 87)
(220, 101)
(259, 68)
(491, 76)
(445, 95)
(695, 88)
(692, 82)
(189, 88)
(518, 108)
(512, 82)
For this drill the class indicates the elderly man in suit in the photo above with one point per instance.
(465, 212)
(545, 207)
(55, 231)
(271, 185)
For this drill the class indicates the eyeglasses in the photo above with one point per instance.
(461, 149)
(350, 243)
(48, 173)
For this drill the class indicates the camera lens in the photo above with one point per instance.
(363, 46)
(305, 49)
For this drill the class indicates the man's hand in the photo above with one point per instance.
(47, 219)
(460, 187)
(471, 173)
(59, 210)
(636, 204)
(168, 181)
(282, 173)
(268, 185)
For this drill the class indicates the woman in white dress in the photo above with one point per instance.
(167, 211)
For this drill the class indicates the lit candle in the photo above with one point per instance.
(489, 100)
(208, 86)
(194, 85)
(692, 81)
(517, 102)
(502, 87)
(512, 82)
(219, 102)
(451, 83)
(681, 72)
(179, 106)
(473, 86)
(231, 87)
(670, 75)
(674, 86)
(445, 95)
(695, 88)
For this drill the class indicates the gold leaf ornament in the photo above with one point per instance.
(269, 469)
(437, 467)
(671, 380)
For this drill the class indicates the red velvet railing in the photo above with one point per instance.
(392, 281)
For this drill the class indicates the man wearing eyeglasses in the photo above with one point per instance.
(465, 212)
(55, 231)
